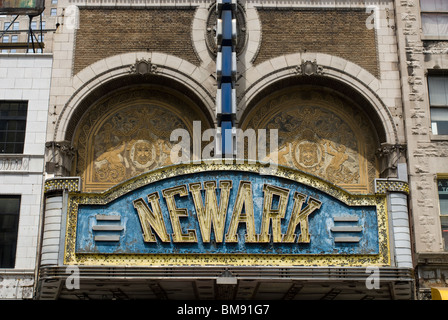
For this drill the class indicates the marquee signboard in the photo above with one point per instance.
(25, 7)
(232, 214)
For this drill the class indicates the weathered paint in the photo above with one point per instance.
(321, 222)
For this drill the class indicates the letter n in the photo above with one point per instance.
(151, 218)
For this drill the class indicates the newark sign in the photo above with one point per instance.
(191, 214)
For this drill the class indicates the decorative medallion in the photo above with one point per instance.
(322, 134)
(309, 68)
(210, 35)
(128, 133)
(307, 153)
(143, 154)
(143, 67)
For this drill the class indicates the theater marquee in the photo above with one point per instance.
(226, 215)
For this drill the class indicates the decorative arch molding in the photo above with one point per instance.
(321, 132)
(331, 71)
(114, 72)
(128, 132)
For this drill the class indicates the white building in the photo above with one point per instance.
(24, 94)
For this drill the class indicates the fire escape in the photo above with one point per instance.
(33, 42)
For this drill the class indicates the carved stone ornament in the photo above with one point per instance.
(309, 68)
(241, 26)
(59, 155)
(143, 67)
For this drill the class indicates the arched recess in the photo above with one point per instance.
(122, 128)
(342, 75)
(323, 130)
(114, 72)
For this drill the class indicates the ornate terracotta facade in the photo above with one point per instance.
(128, 133)
(339, 86)
(322, 134)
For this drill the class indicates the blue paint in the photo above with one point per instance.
(320, 222)
(226, 98)
(227, 138)
(226, 63)
(226, 17)
(226, 69)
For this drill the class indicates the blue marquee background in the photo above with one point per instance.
(320, 221)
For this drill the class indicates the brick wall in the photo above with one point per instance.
(127, 30)
(338, 32)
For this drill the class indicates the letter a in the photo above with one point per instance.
(243, 199)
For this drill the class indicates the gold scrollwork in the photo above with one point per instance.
(320, 133)
(128, 133)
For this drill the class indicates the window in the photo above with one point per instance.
(442, 185)
(36, 25)
(12, 126)
(14, 39)
(434, 19)
(438, 100)
(54, 1)
(5, 39)
(9, 223)
(15, 26)
(35, 37)
(31, 39)
(53, 12)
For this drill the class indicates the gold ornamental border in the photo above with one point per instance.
(222, 259)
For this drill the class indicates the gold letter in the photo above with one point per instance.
(299, 216)
(210, 213)
(274, 215)
(175, 213)
(152, 219)
(243, 198)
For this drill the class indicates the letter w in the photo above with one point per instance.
(151, 219)
(210, 212)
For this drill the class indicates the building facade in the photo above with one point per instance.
(24, 112)
(233, 150)
(25, 92)
(422, 47)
